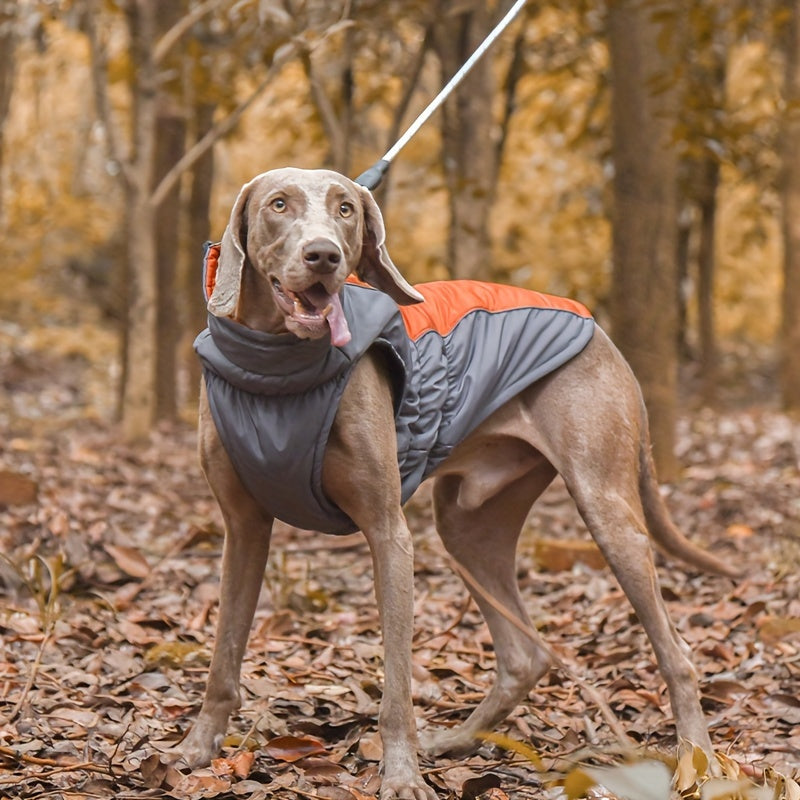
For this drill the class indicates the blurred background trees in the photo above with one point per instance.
(789, 149)
(639, 155)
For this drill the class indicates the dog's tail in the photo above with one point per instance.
(663, 530)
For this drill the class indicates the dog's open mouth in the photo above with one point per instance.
(314, 309)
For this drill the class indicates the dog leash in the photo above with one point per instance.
(372, 177)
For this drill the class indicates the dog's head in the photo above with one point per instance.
(304, 232)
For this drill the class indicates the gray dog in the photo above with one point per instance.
(292, 345)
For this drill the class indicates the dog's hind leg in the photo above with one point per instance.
(616, 521)
(483, 541)
(602, 465)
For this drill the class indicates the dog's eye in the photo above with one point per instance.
(278, 204)
(346, 209)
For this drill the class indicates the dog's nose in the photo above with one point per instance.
(322, 255)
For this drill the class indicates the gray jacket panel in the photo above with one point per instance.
(274, 398)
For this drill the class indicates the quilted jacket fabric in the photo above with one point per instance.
(454, 359)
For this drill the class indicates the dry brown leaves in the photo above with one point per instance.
(109, 589)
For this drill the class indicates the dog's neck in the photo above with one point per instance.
(257, 309)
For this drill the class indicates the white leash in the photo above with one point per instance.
(373, 176)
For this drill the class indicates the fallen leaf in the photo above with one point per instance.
(370, 747)
(153, 771)
(17, 489)
(323, 769)
(773, 629)
(327, 689)
(243, 763)
(739, 530)
(558, 555)
(293, 748)
(474, 787)
(791, 789)
(129, 560)
(175, 654)
(203, 783)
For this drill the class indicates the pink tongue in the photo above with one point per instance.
(340, 333)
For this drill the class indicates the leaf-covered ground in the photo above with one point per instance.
(109, 585)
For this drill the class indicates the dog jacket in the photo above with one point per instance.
(453, 360)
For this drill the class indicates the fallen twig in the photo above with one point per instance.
(56, 766)
(454, 624)
(37, 662)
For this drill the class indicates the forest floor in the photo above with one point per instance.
(108, 592)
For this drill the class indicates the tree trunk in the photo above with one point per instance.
(170, 147)
(139, 389)
(644, 282)
(790, 196)
(8, 43)
(199, 232)
(468, 144)
(155, 135)
(706, 257)
(682, 250)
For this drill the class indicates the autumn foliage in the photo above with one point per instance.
(110, 548)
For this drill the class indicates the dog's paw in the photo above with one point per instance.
(401, 788)
(198, 748)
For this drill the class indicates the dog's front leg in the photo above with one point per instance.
(247, 537)
(244, 559)
(393, 564)
(360, 475)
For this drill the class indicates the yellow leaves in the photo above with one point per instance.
(789, 788)
(174, 654)
(693, 779)
(692, 775)
(86, 340)
(557, 554)
(647, 779)
(578, 783)
(515, 746)
(692, 765)
(739, 530)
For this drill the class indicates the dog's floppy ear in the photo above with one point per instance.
(225, 298)
(375, 266)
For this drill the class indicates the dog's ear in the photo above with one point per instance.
(228, 283)
(375, 266)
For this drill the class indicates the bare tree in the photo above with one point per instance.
(790, 197)
(170, 145)
(9, 10)
(151, 176)
(705, 50)
(468, 138)
(644, 288)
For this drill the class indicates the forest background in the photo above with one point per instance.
(641, 156)
(127, 131)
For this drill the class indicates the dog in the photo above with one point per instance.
(302, 283)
